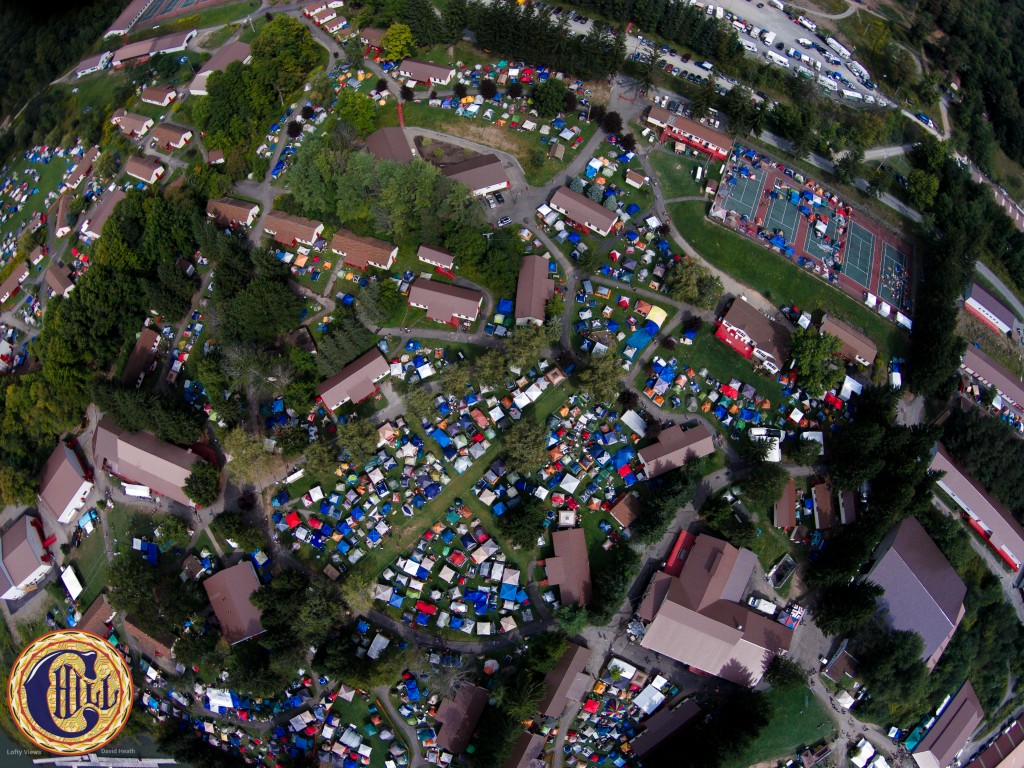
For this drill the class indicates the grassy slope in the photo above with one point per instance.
(798, 718)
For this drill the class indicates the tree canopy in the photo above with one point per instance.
(815, 355)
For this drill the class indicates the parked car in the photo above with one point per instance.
(498, 196)
(675, 71)
(504, 221)
(491, 202)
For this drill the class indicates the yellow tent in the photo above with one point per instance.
(658, 316)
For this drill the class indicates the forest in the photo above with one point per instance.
(990, 452)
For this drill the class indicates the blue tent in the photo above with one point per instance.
(456, 622)
(632, 209)
(622, 457)
(663, 245)
(632, 236)
(373, 536)
(422, 619)
(499, 509)
(432, 490)
(396, 600)
(629, 480)
(478, 600)
(651, 328)
(805, 210)
(362, 627)
(778, 241)
(508, 592)
(412, 690)
(442, 439)
(639, 340)
(504, 306)
(574, 237)
(794, 198)
(807, 195)
(744, 172)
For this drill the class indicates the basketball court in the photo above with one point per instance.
(783, 215)
(860, 249)
(892, 282)
(744, 195)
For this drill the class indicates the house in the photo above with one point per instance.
(143, 50)
(10, 286)
(141, 359)
(169, 136)
(94, 63)
(459, 716)
(98, 619)
(568, 682)
(527, 751)
(58, 279)
(445, 303)
(855, 346)
(63, 216)
(229, 592)
(984, 305)
(569, 568)
(952, 731)
(923, 593)
(980, 366)
(142, 459)
(226, 54)
(232, 212)
(132, 125)
(754, 336)
(824, 505)
(373, 38)
(64, 484)
(215, 157)
(634, 179)
(24, 560)
(425, 72)
(355, 382)
(83, 167)
(362, 252)
(989, 517)
(390, 144)
(436, 256)
(662, 725)
(333, 27)
(146, 168)
(327, 14)
(158, 648)
(289, 230)
(482, 174)
(626, 509)
(92, 226)
(128, 17)
(160, 95)
(675, 447)
(697, 616)
(533, 291)
(314, 8)
(1007, 751)
(785, 507)
(583, 211)
(689, 133)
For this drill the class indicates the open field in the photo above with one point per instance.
(798, 718)
(90, 560)
(675, 173)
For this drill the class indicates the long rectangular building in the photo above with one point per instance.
(355, 382)
(675, 447)
(584, 211)
(980, 366)
(445, 303)
(690, 133)
(533, 290)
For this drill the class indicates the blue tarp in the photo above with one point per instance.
(574, 237)
(508, 592)
(504, 306)
(478, 600)
(639, 340)
(395, 601)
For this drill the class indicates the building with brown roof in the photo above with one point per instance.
(699, 618)
(128, 18)
(24, 561)
(361, 252)
(58, 279)
(626, 509)
(984, 369)
(1007, 751)
(425, 72)
(984, 305)
(390, 143)
(662, 725)
(753, 335)
(140, 51)
(225, 55)
(785, 507)
(445, 303)
(98, 618)
(141, 458)
(232, 212)
(83, 167)
(856, 347)
(533, 291)
(689, 133)
(567, 682)
(9, 287)
(230, 591)
(527, 751)
(584, 211)
(482, 174)
(157, 647)
(92, 226)
(355, 382)
(94, 63)
(635, 179)
(290, 230)
(372, 37)
(923, 593)
(170, 136)
(64, 484)
(145, 168)
(952, 731)
(459, 716)
(436, 256)
(984, 513)
(160, 95)
(824, 505)
(62, 218)
(141, 359)
(131, 125)
(675, 447)
(569, 568)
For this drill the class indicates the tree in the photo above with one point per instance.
(571, 619)
(321, 460)
(231, 524)
(261, 311)
(378, 302)
(359, 439)
(320, 88)
(453, 378)
(753, 450)
(459, 89)
(248, 460)
(407, 93)
(922, 187)
(488, 89)
(398, 42)
(357, 111)
(524, 523)
(692, 282)
(890, 664)
(519, 696)
(514, 90)
(845, 608)
(545, 650)
(523, 347)
(132, 584)
(601, 377)
(595, 192)
(612, 122)
(106, 165)
(804, 452)
(785, 674)
(16, 487)
(816, 357)
(549, 97)
(174, 531)
(294, 129)
(628, 142)
(526, 446)
(491, 369)
(202, 485)
(846, 166)
(764, 484)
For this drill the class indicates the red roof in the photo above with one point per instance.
(684, 543)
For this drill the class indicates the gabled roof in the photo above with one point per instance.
(371, 36)
(923, 593)
(157, 647)
(226, 54)
(229, 210)
(16, 278)
(436, 254)
(58, 277)
(156, 94)
(854, 343)
(785, 507)
(676, 446)
(61, 479)
(361, 252)
(143, 168)
(424, 71)
(443, 301)
(459, 716)
(478, 172)
(95, 618)
(229, 592)
(169, 133)
(19, 557)
(356, 381)
(772, 337)
(568, 681)
(534, 289)
(98, 216)
(663, 724)
(987, 369)
(390, 143)
(985, 298)
(286, 228)
(142, 356)
(681, 123)
(582, 209)
(627, 509)
(951, 732)
(83, 166)
(142, 458)
(569, 568)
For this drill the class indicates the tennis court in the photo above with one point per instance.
(783, 215)
(860, 249)
(744, 195)
(893, 281)
(818, 247)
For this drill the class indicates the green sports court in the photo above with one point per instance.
(893, 263)
(744, 195)
(860, 249)
(783, 215)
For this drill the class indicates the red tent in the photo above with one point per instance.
(426, 608)
(293, 519)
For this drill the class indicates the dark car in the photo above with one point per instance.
(498, 196)
(685, 58)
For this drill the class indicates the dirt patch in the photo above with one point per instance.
(993, 344)
(600, 91)
(441, 153)
(488, 135)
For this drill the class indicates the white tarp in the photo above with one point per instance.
(649, 699)
(136, 491)
(71, 582)
(219, 698)
(632, 420)
(377, 646)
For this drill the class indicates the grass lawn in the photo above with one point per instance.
(1008, 173)
(204, 542)
(218, 38)
(357, 713)
(798, 718)
(463, 52)
(212, 17)
(779, 280)
(252, 28)
(676, 174)
(127, 523)
(49, 178)
(828, 6)
(771, 543)
(96, 91)
(90, 561)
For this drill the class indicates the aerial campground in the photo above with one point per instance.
(512, 384)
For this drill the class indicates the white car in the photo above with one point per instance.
(504, 221)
